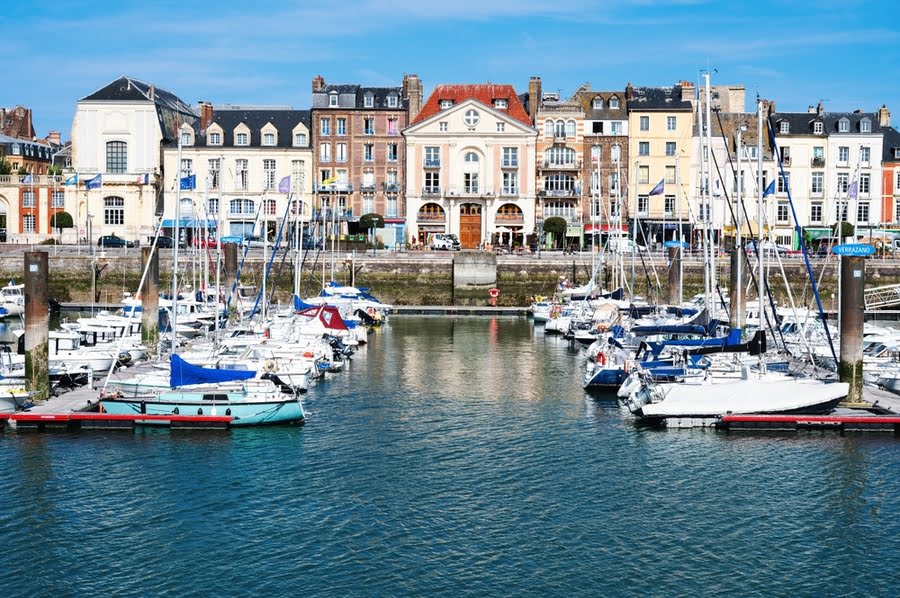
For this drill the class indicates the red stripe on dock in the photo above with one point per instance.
(813, 419)
(65, 417)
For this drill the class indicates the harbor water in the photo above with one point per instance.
(456, 456)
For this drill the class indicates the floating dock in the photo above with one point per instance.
(792, 423)
(41, 422)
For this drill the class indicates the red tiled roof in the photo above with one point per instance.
(484, 93)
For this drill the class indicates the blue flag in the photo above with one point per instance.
(72, 180)
(188, 183)
(94, 183)
(853, 191)
(660, 187)
(770, 190)
(284, 185)
(28, 179)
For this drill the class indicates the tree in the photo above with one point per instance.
(61, 220)
(846, 230)
(5, 167)
(557, 227)
(22, 171)
(55, 170)
(370, 221)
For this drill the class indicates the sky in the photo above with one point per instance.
(845, 53)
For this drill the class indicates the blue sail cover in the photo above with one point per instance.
(300, 304)
(184, 373)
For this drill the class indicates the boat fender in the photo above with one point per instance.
(228, 411)
(601, 358)
(269, 366)
(200, 411)
(175, 411)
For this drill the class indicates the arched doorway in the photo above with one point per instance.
(470, 225)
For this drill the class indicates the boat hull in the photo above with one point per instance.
(254, 413)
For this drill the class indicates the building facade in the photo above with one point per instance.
(890, 166)
(238, 156)
(471, 166)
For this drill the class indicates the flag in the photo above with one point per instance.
(28, 179)
(284, 185)
(144, 179)
(72, 180)
(660, 187)
(329, 181)
(853, 191)
(188, 183)
(770, 190)
(94, 183)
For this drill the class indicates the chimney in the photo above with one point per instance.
(820, 109)
(534, 96)
(687, 91)
(152, 93)
(412, 91)
(2, 120)
(53, 137)
(206, 114)
(771, 106)
(629, 91)
(810, 109)
(884, 116)
(318, 83)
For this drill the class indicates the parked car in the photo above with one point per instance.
(252, 241)
(231, 239)
(163, 242)
(2, 235)
(113, 241)
(625, 246)
(445, 241)
(311, 243)
(208, 242)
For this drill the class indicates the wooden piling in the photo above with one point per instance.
(37, 324)
(150, 298)
(853, 307)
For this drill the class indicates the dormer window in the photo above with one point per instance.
(299, 139)
(369, 100)
(614, 103)
(215, 139)
(392, 100)
(784, 127)
(242, 139)
(818, 127)
(185, 139)
(598, 103)
(843, 126)
(865, 126)
(269, 139)
(446, 104)
(333, 100)
(897, 153)
(501, 104)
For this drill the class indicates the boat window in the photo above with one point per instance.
(215, 397)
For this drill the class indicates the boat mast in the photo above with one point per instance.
(173, 317)
(265, 239)
(702, 220)
(738, 317)
(710, 212)
(680, 230)
(759, 214)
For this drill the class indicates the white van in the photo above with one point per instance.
(624, 245)
(447, 241)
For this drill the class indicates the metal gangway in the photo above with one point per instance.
(881, 297)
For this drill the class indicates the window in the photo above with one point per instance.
(187, 166)
(559, 156)
(213, 168)
(615, 153)
(595, 182)
(843, 126)
(843, 182)
(470, 182)
(669, 205)
(392, 152)
(57, 199)
(392, 100)
(645, 123)
(818, 127)
(784, 182)
(368, 152)
(864, 184)
(897, 183)
(864, 155)
(548, 128)
(299, 139)
(392, 126)
(28, 223)
(815, 213)
(862, 212)
(269, 206)
(734, 185)
(28, 199)
(215, 139)
(643, 175)
(670, 148)
(186, 139)
(643, 203)
(298, 174)
(614, 103)
(241, 206)
(841, 211)
(333, 100)
(241, 180)
(865, 126)
(614, 182)
(570, 128)
(783, 214)
(670, 123)
(818, 183)
(559, 184)
(596, 154)
(501, 126)
(501, 104)
(368, 126)
(369, 100)
(341, 127)
(670, 174)
(510, 183)
(843, 154)
(341, 153)
(391, 207)
(269, 139)
(818, 158)
(325, 152)
(471, 117)
(432, 182)
(212, 206)
(442, 126)
(325, 126)
(116, 157)
(368, 204)
(786, 155)
(269, 173)
(510, 157)
(616, 127)
(784, 127)
(113, 210)
(432, 157)
(644, 148)
(242, 139)
(597, 127)
(446, 104)
(598, 103)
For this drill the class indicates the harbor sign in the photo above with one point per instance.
(675, 243)
(853, 249)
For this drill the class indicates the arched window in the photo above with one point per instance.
(431, 211)
(116, 157)
(548, 128)
(560, 130)
(570, 128)
(471, 171)
(241, 207)
(471, 157)
(559, 156)
(598, 103)
(187, 207)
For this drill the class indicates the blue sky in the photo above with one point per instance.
(266, 52)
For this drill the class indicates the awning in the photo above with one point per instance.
(189, 223)
(746, 230)
(816, 233)
(604, 227)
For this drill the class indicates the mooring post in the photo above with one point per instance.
(150, 298)
(853, 306)
(231, 261)
(738, 302)
(37, 325)
(674, 275)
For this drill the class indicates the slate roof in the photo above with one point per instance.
(585, 96)
(730, 123)
(283, 120)
(485, 93)
(128, 89)
(891, 142)
(668, 99)
(380, 95)
(801, 123)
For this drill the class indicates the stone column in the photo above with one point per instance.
(37, 324)
(150, 298)
(853, 307)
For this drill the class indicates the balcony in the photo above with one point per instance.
(559, 137)
(561, 165)
(509, 164)
(335, 188)
(433, 163)
(510, 219)
(367, 188)
(559, 193)
(391, 187)
(816, 192)
(570, 215)
(817, 162)
(436, 217)
(327, 214)
(509, 191)
(431, 191)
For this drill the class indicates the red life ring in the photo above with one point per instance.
(494, 293)
(601, 358)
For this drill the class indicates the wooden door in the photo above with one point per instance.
(470, 225)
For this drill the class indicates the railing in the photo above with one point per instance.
(817, 162)
(329, 214)
(562, 165)
(435, 163)
(510, 218)
(335, 188)
(431, 190)
(367, 188)
(391, 187)
(509, 191)
(559, 193)
(557, 136)
(509, 164)
(816, 192)
(570, 215)
(432, 216)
